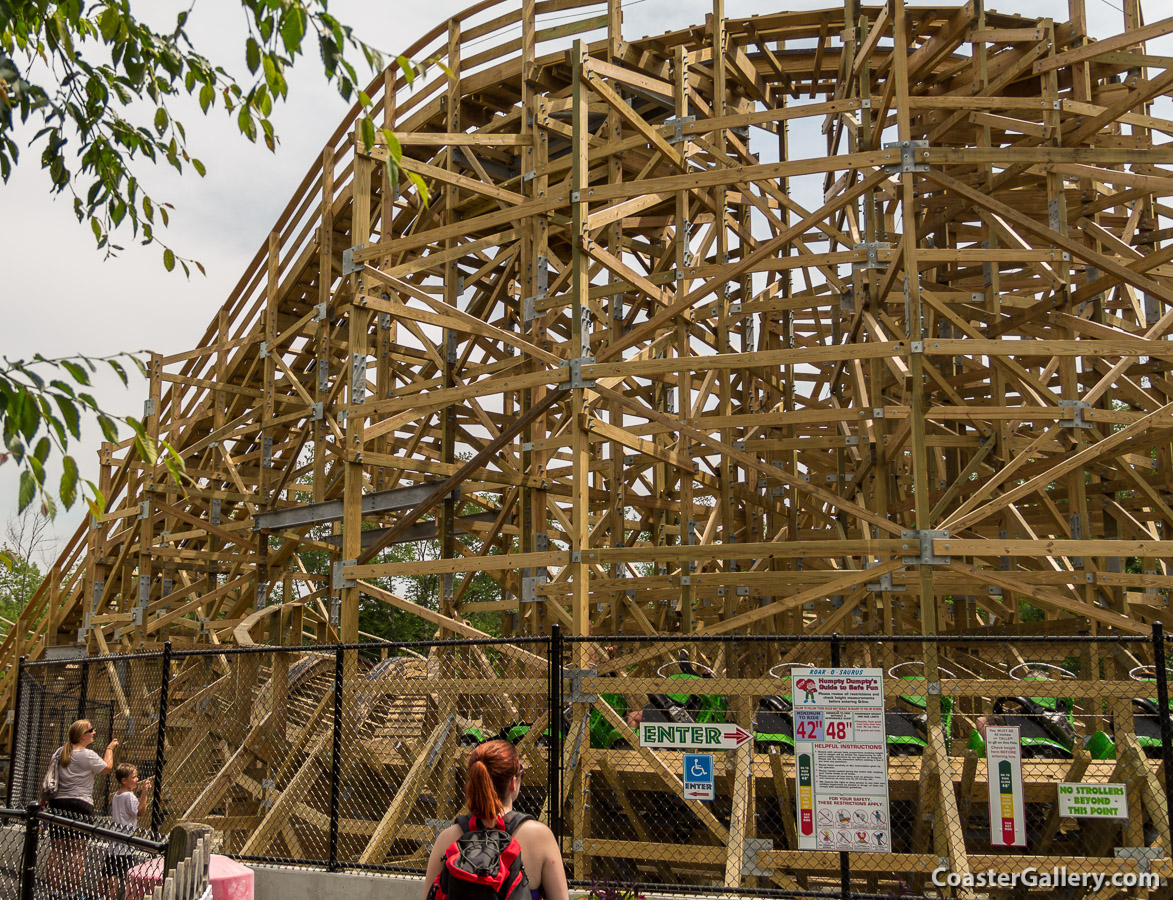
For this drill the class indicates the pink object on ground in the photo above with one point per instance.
(228, 878)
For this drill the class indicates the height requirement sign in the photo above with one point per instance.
(841, 753)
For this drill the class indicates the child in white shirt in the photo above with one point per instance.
(126, 810)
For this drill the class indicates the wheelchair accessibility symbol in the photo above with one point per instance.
(698, 776)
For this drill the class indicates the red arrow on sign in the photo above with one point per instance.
(737, 734)
(698, 793)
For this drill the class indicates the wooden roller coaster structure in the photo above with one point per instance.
(853, 320)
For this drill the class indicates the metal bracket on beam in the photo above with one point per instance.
(1144, 856)
(148, 407)
(321, 311)
(541, 288)
(317, 412)
(573, 368)
(873, 249)
(884, 584)
(144, 510)
(576, 694)
(214, 515)
(358, 377)
(750, 850)
(529, 588)
(924, 543)
(339, 581)
(263, 350)
(349, 266)
(441, 739)
(267, 451)
(323, 376)
(262, 594)
(677, 123)
(909, 151)
(1076, 419)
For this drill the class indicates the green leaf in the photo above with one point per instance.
(199, 167)
(244, 121)
(7, 560)
(28, 490)
(252, 55)
(71, 415)
(408, 69)
(117, 367)
(98, 504)
(367, 127)
(147, 450)
(161, 120)
(109, 431)
(41, 453)
(293, 29)
(69, 482)
(78, 373)
(207, 97)
(419, 185)
(168, 260)
(393, 149)
(108, 23)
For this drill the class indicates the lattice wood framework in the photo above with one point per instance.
(851, 320)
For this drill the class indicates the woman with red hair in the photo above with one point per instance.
(492, 786)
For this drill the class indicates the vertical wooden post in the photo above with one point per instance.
(356, 375)
(446, 517)
(580, 442)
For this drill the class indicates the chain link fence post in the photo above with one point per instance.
(15, 734)
(844, 859)
(161, 741)
(554, 764)
(83, 688)
(28, 865)
(1159, 664)
(336, 759)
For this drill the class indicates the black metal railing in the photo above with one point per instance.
(350, 757)
(44, 855)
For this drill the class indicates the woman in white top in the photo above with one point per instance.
(76, 766)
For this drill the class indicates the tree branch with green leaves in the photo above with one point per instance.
(101, 83)
(42, 402)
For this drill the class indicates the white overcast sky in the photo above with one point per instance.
(59, 296)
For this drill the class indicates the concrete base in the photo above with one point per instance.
(274, 883)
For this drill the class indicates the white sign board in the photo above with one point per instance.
(708, 736)
(1093, 801)
(1004, 767)
(841, 752)
(698, 776)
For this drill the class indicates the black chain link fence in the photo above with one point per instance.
(45, 856)
(353, 757)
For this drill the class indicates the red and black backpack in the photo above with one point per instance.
(484, 863)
